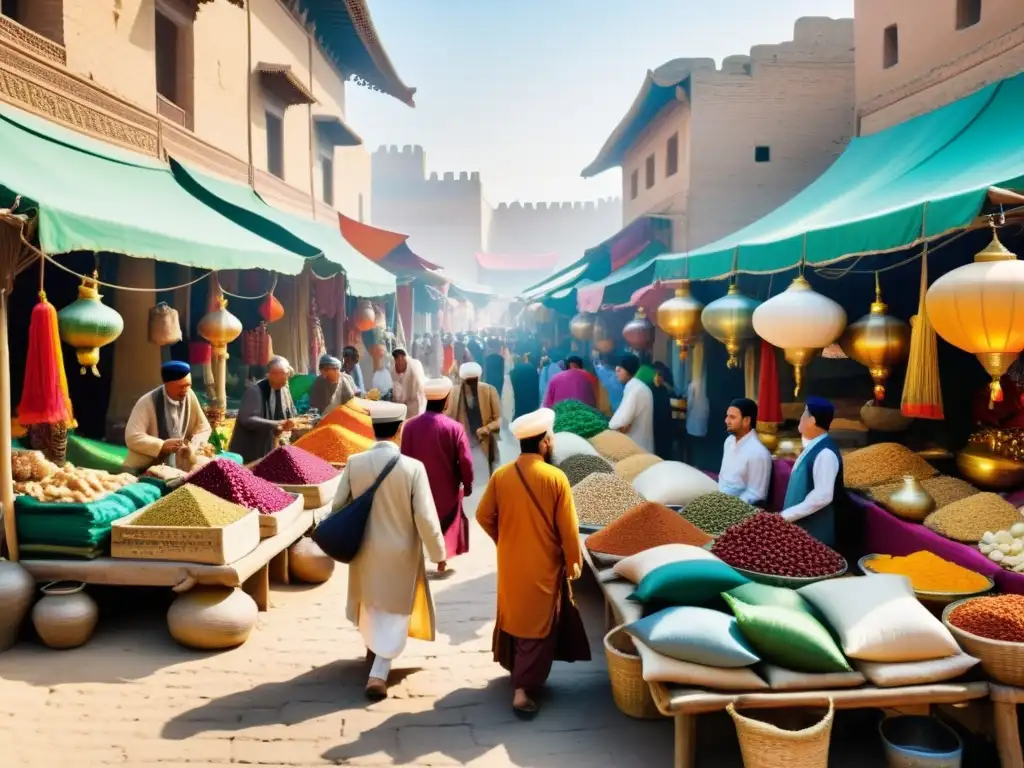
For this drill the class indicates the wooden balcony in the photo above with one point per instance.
(168, 110)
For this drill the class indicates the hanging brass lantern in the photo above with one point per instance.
(878, 341)
(604, 342)
(639, 332)
(979, 308)
(680, 318)
(220, 328)
(582, 326)
(730, 320)
(801, 322)
(88, 324)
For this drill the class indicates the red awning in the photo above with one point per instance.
(530, 263)
(372, 242)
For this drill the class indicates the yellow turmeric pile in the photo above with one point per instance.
(352, 419)
(930, 573)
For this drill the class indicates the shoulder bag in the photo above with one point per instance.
(341, 534)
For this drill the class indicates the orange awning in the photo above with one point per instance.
(372, 242)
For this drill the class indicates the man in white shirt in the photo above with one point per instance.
(746, 463)
(635, 414)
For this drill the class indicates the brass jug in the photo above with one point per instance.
(911, 502)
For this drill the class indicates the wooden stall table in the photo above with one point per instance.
(617, 609)
(1005, 699)
(251, 572)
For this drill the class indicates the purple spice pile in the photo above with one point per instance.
(233, 482)
(289, 465)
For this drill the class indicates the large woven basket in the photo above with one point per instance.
(1002, 661)
(631, 693)
(764, 745)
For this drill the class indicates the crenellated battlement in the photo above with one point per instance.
(575, 205)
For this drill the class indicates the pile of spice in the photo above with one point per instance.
(579, 419)
(288, 465)
(580, 467)
(603, 498)
(615, 446)
(333, 443)
(943, 489)
(765, 543)
(716, 512)
(930, 573)
(351, 419)
(643, 527)
(631, 466)
(969, 519)
(233, 482)
(883, 463)
(191, 507)
(1000, 617)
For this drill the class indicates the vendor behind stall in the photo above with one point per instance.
(165, 420)
(326, 384)
(746, 464)
(267, 411)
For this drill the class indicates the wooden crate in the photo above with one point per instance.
(316, 496)
(212, 546)
(273, 524)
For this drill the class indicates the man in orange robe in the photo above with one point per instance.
(528, 511)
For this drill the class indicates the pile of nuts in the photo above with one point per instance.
(765, 543)
(44, 481)
(1005, 547)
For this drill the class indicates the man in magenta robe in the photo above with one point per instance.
(573, 383)
(441, 444)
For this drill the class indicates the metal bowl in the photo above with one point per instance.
(584, 528)
(926, 596)
(790, 582)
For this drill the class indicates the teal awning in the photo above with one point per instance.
(308, 238)
(93, 196)
(558, 281)
(918, 180)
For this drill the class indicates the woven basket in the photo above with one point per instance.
(765, 746)
(631, 693)
(1002, 661)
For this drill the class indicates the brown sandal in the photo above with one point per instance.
(376, 689)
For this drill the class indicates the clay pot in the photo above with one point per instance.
(308, 563)
(911, 502)
(212, 618)
(16, 588)
(66, 616)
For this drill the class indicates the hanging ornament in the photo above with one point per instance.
(877, 341)
(801, 322)
(680, 318)
(44, 396)
(220, 328)
(582, 326)
(364, 316)
(89, 324)
(979, 308)
(604, 342)
(730, 321)
(639, 332)
(164, 327)
(271, 310)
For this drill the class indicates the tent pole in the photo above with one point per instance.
(6, 476)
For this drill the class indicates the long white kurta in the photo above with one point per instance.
(141, 433)
(636, 411)
(409, 388)
(746, 468)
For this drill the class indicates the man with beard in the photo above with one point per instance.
(267, 411)
(528, 511)
(441, 444)
(746, 463)
(477, 407)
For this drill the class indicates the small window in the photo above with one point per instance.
(649, 172)
(327, 178)
(634, 184)
(891, 47)
(968, 13)
(275, 143)
(762, 154)
(672, 155)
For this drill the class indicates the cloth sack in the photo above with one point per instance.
(878, 618)
(696, 635)
(340, 536)
(693, 582)
(672, 482)
(782, 679)
(567, 444)
(779, 597)
(916, 672)
(635, 567)
(658, 668)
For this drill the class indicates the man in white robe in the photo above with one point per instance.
(746, 464)
(409, 380)
(635, 414)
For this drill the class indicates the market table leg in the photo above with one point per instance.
(1007, 735)
(279, 568)
(257, 587)
(686, 741)
(609, 616)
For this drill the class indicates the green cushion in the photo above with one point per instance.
(779, 597)
(789, 638)
(696, 635)
(691, 582)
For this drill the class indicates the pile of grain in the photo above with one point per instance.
(351, 419)
(604, 497)
(579, 468)
(233, 482)
(615, 446)
(288, 465)
(191, 507)
(883, 463)
(968, 520)
(631, 466)
(643, 527)
(333, 443)
(716, 512)
(943, 489)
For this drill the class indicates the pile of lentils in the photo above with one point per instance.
(765, 543)
(943, 489)
(579, 418)
(580, 467)
(643, 527)
(1000, 617)
(716, 512)
(288, 465)
(603, 498)
(234, 483)
(969, 519)
(883, 463)
(631, 466)
(191, 507)
(615, 446)
(333, 443)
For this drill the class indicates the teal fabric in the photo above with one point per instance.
(693, 582)
(140, 494)
(697, 635)
(69, 525)
(94, 454)
(789, 638)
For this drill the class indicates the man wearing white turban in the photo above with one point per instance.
(477, 407)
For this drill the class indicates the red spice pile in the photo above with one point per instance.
(765, 543)
(1000, 617)
(289, 465)
(233, 482)
(645, 526)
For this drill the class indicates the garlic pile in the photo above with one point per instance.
(1005, 547)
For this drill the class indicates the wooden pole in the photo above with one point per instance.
(6, 476)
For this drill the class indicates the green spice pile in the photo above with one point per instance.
(603, 497)
(191, 507)
(579, 418)
(580, 467)
(971, 518)
(716, 512)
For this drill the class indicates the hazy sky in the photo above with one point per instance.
(526, 92)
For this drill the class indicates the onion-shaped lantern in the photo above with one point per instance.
(680, 318)
(604, 342)
(582, 326)
(639, 332)
(220, 328)
(730, 320)
(801, 322)
(878, 341)
(88, 324)
(979, 308)
(364, 317)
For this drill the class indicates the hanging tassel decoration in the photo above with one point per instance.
(769, 406)
(44, 397)
(922, 391)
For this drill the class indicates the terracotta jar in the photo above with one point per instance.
(212, 618)
(16, 588)
(66, 616)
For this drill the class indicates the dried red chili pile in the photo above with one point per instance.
(289, 465)
(645, 526)
(1000, 617)
(233, 482)
(765, 543)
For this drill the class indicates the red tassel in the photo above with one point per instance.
(44, 399)
(769, 407)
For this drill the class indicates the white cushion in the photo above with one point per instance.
(635, 567)
(672, 482)
(916, 672)
(661, 669)
(567, 444)
(782, 679)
